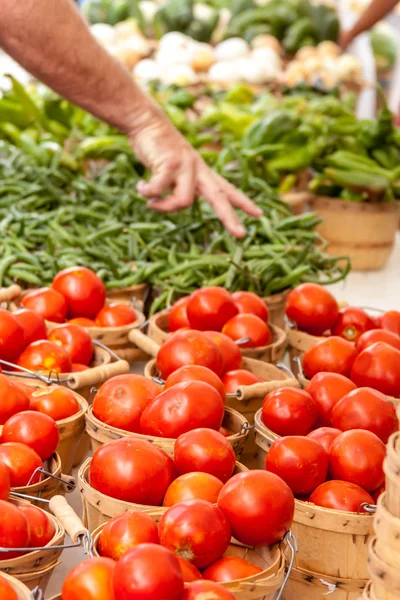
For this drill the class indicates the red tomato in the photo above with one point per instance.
(289, 411)
(4, 482)
(41, 526)
(312, 308)
(177, 316)
(75, 340)
(225, 432)
(390, 321)
(121, 401)
(90, 580)
(233, 380)
(196, 530)
(357, 456)
(124, 532)
(14, 529)
(13, 399)
(189, 571)
(334, 355)
(248, 326)
(378, 366)
(181, 408)
(6, 590)
(365, 408)
(148, 572)
(210, 308)
(36, 430)
(376, 493)
(206, 590)
(352, 323)
(33, 325)
(48, 303)
(56, 401)
(324, 436)
(302, 463)
(133, 470)
(196, 373)
(189, 348)
(259, 506)
(198, 486)
(12, 340)
(249, 303)
(341, 495)
(84, 292)
(378, 335)
(204, 450)
(231, 355)
(115, 315)
(21, 461)
(230, 568)
(77, 368)
(47, 357)
(327, 389)
(83, 322)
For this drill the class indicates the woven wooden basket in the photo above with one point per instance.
(307, 585)
(299, 342)
(100, 433)
(391, 466)
(127, 294)
(264, 439)
(368, 592)
(387, 531)
(385, 578)
(276, 305)
(23, 592)
(273, 353)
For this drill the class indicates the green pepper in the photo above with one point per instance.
(294, 160)
(175, 15)
(202, 30)
(270, 129)
(359, 181)
(297, 32)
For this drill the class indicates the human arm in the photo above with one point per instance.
(375, 11)
(50, 39)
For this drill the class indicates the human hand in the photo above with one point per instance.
(178, 169)
(345, 38)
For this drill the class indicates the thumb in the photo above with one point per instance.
(158, 184)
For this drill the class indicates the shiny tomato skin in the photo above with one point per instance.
(190, 572)
(12, 341)
(341, 495)
(378, 366)
(357, 456)
(204, 450)
(225, 432)
(193, 486)
(33, 325)
(133, 470)
(233, 380)
(13, 399)
(334, 355)
(259, 507)
(327, 389)
(196, 373)
(4, 482)
(312, 308)
(148, 572)
(289, 411)
(231, 355)
(124, 532)
(21, 461)
(45, 356)
(41, 526)
(196, 530)
(248, 326)
(249, 303)
(115, 315)
(377, 493)
(300, 461)
(77, 368)
(210, 308)
(390, 321)
(352, 323)
(177, 316)
(230, 568)
(48, 303)
(366, 408)
(75, 340)
(378, 335)
(6, 590)
(206, 590)
(14, 529)
(189, 348)
(83, 322)
(324, 436)
(84, 292)
(55, 401)
(181, 408)
(90, 580)
(36, 430)
(121, 401)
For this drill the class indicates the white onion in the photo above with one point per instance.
(225, 71)
(148, 70)
(232, 49)
(179, 75)
(105, 34)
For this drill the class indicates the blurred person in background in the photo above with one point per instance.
(373, 13)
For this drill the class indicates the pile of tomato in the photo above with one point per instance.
(23, 526)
